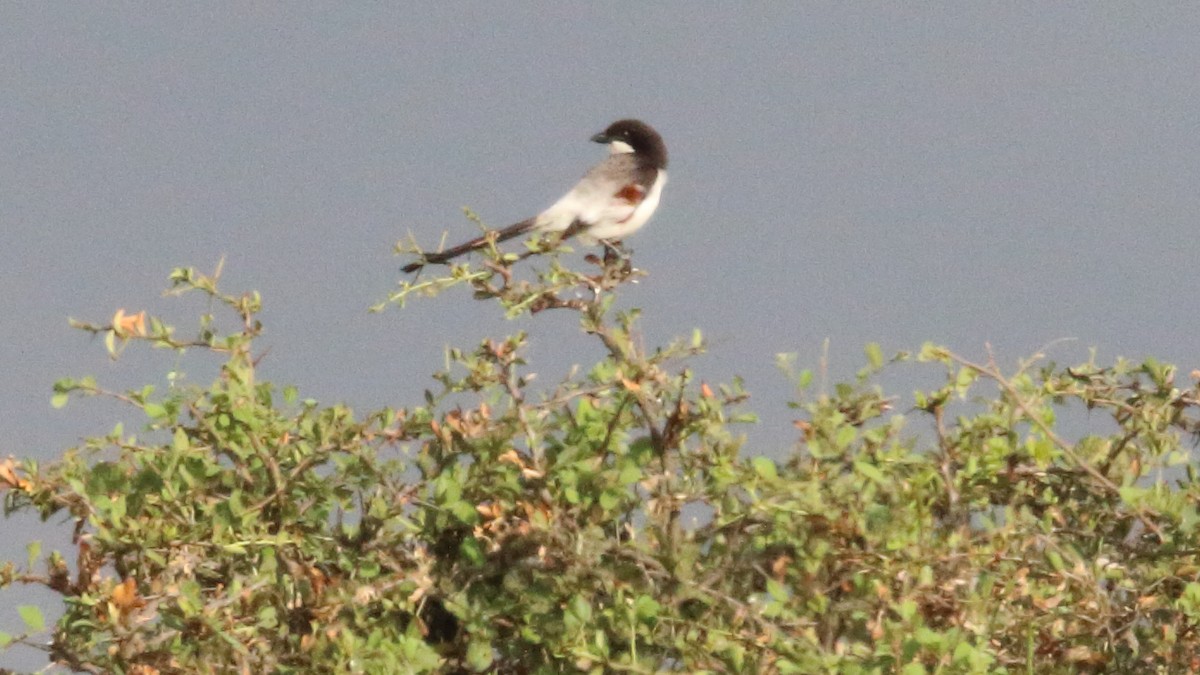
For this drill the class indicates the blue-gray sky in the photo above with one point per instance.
(1009, 173)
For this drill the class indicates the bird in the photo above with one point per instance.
(613, 199)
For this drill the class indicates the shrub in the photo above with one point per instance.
(614, 522)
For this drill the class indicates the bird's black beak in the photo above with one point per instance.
(600, 138)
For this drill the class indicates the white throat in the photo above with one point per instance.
(619, 148)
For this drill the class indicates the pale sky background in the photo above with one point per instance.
(1010, 173)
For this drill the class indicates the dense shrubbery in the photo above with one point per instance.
(614, 522)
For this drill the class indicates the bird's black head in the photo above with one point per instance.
(637, 137)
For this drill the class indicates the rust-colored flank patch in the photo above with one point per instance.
(631, 193)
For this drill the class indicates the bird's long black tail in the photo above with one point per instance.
(440, 257)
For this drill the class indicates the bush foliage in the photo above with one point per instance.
(614, 522)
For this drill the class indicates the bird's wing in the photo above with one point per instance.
(606, 195)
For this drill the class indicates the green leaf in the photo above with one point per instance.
(931, 352)
(463, 511)
(34, 550)
(870, 471)
(845, 436)
(189, 598)
(479, 654)
(610, 500)
(927, 637)
(765, 468)
(472, 551)
(59, 400)
(5, 639)
(925, 576)
(579, 608)
(1189, 600)
(630, 473)
(874, 355)
(1132, 495)
(646, 608)
(966, 377)
(641, 449)
(804, 379)
(32, 616)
